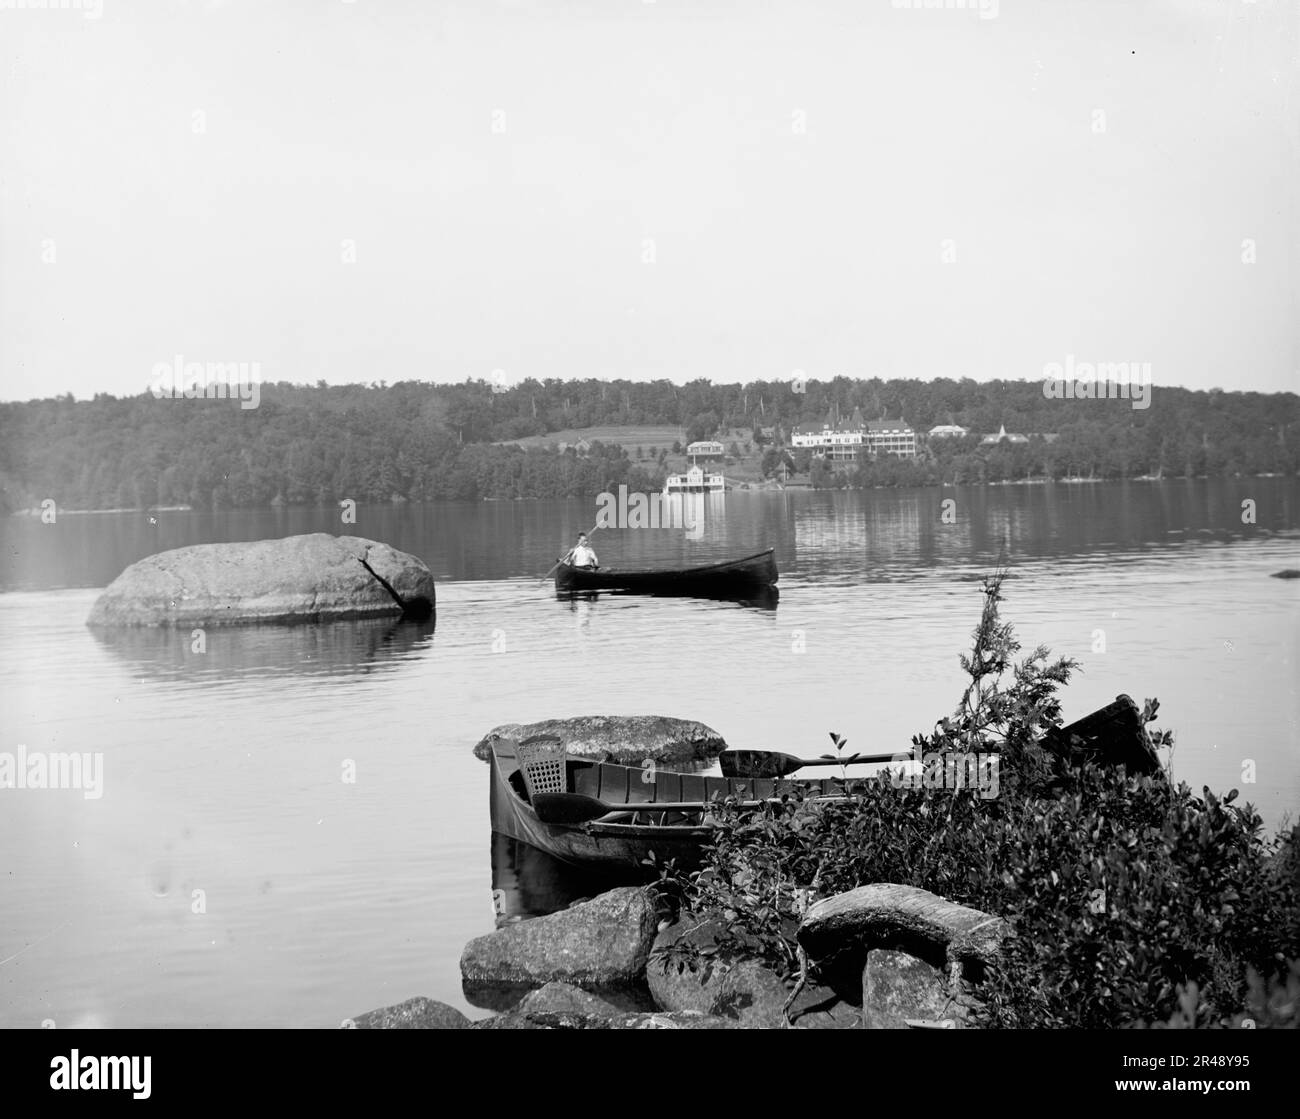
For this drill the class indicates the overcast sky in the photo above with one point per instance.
(616, 188)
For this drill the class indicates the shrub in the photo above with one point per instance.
(1123, 892)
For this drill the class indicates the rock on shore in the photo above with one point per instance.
(898, 987)
(921, 956)
(311, 578)
(886, 914)
(604, 964)
(740, 991)
(561, 1006)
(602, 943)
(625, 739)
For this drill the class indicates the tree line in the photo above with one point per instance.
(418, 441)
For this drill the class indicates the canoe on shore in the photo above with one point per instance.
(622, 840)
(1112, 735)
(730, 578)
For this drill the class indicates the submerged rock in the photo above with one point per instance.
(414, 1014)
(565, 998)
(602, 943)
(625, 739)
(309, 578)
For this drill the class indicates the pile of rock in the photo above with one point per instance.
(920, 956)
(889, 956)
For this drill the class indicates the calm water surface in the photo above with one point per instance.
(223, 771)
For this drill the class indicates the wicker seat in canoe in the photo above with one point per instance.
(541, 761)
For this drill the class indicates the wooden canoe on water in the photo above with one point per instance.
(730, 578)
(622, 840)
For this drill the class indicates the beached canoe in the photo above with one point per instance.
(622, 840)
(1111, 735)
(730, 578)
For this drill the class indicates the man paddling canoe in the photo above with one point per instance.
(582, 555)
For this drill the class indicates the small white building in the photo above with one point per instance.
(948, 431)
(705, 449)
(695, 480)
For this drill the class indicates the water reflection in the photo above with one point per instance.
(527, 882)
(228, 652)
(583, 603)
(701, 515)
(881, 535)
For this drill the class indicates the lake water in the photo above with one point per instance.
(223, 771)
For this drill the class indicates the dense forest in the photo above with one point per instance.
(418, 441)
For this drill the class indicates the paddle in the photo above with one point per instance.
(569, 552)
(769, 763)
(577, 808)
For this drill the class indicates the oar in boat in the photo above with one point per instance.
(570, 551)
(577, 808)
(769, 763)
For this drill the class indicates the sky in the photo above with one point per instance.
(392, 190)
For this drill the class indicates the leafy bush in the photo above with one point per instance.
(1274, 1004)
(1122, 891)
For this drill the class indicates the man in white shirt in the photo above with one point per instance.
(582, 555)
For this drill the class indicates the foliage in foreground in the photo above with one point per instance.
(1124, 893)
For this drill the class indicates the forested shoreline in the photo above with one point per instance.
(418, 441)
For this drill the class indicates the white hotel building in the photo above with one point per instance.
(842, 442)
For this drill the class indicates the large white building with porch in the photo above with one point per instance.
(891, 437)
(841, 441)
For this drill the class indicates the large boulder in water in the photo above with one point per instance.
(310, 578)
(625, 739)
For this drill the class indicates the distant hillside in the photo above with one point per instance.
(417, 441)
